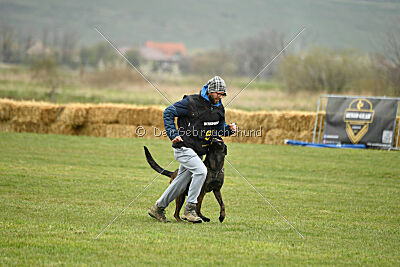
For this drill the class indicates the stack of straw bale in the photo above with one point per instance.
(27, 116)
(115, 120)
(275, 126)
(106, 120)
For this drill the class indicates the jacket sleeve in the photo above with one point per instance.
(178, 109)
(223, 129)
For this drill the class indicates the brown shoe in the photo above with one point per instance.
(190, 214)
(158, 213)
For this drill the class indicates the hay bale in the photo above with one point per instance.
(27, 126)
(290, 121)
(129, 116)
(305, 136)
(49, 114)
(61, 128)
(252, 120)
(5, 109)
(141, 116)
(118, 130)
(272, 135)
(98, 130)
(104, 114)
(154, 117)
(241, 118)
(283, 121)
(270, 120)
(247, 135)
(277, 136)
(158, 133)
(260, 118)
(149, 132)
(295, 121)
(306, 121)
(28, 116)
(74, 115)
(26, 112)
(145, 116)
(5, 127)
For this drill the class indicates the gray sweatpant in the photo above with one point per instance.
(191, 170)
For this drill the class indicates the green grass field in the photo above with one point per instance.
(58, 192)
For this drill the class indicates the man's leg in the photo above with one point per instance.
(176, 188)
(199, 174)
(191, 168)
(198, 171)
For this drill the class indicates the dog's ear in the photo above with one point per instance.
(225, 149)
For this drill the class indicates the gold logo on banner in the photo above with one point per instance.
(358, 116)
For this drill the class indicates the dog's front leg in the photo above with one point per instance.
(198, 207)
(218, 196)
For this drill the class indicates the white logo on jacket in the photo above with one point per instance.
(210, 123)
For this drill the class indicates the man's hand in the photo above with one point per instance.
(177, 139)
(232, 126)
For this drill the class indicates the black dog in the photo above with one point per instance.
(214, 162)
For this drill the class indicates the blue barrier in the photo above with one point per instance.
(301, 143)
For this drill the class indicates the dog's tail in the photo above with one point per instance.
(154, 164)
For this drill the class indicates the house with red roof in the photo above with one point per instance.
(163, 57)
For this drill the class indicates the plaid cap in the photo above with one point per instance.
(216, 84)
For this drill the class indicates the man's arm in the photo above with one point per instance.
(224, 129)
(177, 109)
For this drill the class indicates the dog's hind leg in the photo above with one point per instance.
(178, 205)
(218, 196)
(198, 207)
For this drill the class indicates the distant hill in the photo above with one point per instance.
(205, 24)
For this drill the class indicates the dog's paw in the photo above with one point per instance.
(221, 219)
(205, 219)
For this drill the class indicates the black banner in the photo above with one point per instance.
(369, 121)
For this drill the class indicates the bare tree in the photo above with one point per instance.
(389, 58)
(253, 53)
(28, 42)
(45, 38)
(69, 41)
(7, 42)
(45, 70)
